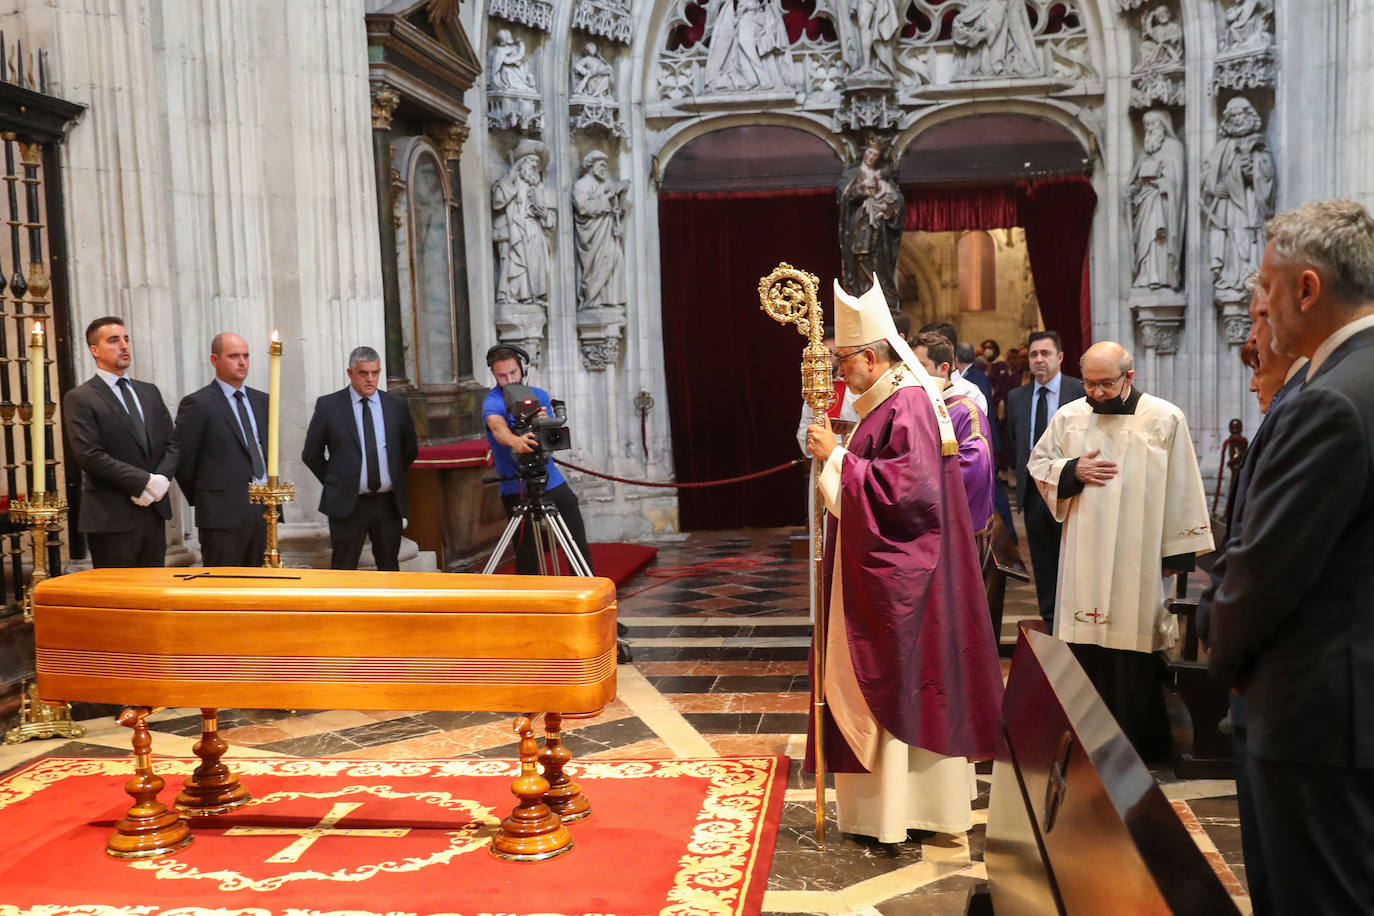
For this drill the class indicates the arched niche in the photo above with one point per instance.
(992, 147)
(752, 157)
(424, 207)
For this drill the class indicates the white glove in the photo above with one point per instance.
(157, 486)
(143, 499)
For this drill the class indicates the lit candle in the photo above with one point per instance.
(274, 407)
(37, 439)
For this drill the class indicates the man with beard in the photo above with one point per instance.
(1156, 206)
(1237, 196)
(1117, 469)
(911, 679)
(1292, 623)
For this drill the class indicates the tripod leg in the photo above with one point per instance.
(576, 561)
(541, 544)
(495, 559)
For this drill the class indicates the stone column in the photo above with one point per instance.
(1357, 133)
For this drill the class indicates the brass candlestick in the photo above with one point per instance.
(41, 513)
(271, 494)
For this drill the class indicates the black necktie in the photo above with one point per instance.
(1042, 415)
(250, 440)
(126, 391)
(374, 465)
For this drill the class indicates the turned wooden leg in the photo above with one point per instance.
(564, 796)
(532, 832)
(149, 828)
(213, 788)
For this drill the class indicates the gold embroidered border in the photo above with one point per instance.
(713, 877)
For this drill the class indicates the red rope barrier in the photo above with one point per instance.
(681, 486)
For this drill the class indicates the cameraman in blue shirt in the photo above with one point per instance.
(507, 366)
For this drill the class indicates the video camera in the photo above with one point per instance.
(551, 433)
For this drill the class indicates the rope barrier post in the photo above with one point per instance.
(788, 296)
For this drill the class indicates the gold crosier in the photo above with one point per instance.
(788, 295)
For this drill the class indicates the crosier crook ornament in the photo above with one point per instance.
(788, 295)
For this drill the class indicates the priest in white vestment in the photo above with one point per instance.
(911, 675)
(1117, 468)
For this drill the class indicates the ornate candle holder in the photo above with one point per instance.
(42, 514)
(271, 494)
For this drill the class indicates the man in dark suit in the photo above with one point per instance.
(222, 434)
(359, 444)
(1275, 377)
(120, 435)
(1292, 623)
(1029, 409)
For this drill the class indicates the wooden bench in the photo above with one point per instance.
(1210, 754)
(1076, 824)
(329, 639)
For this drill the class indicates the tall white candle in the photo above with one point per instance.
(274, 407)
(38, 441)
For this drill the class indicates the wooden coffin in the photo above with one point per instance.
(326, 639)
(1076, 823)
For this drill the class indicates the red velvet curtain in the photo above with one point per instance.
(1057, 214)
(734, 384)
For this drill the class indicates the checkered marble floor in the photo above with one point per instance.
(720, 631)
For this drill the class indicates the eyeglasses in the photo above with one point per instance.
(839, 359)
(1106, 385)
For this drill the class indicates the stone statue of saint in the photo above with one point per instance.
(1161, 40)
(523, 214)
(507, 68)
(749, 47)
(872, 214)
(868, 42)
(1155, 202)
(995, 37)
(1237, 198)
(599, 215)
(1249, 26)
(591, 76)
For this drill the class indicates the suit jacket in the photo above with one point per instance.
(1292, 623)
(335, 456)
(1235, 506)
(114, 464)
(1019, 425)
(214, 469)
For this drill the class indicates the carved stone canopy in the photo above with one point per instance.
(609, 18)
(537, 14)
(1248, 70)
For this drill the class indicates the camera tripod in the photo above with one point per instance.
(550, 533)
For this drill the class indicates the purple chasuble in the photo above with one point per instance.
(914, 605)
(975, 459)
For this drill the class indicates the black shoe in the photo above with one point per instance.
(621, 629)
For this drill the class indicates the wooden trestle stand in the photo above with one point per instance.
(315, 639)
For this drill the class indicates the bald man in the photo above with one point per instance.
(1117, 468)
(222, 431)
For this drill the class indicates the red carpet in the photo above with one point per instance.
(666, 836)
(617, 562)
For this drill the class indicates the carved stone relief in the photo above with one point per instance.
(513, 99)
(1154, 202)
(749, 49)
(537, 14)
(1245, 47)
(1237, 199)
(524, 213)
(608, 18)
(867, 30)
(592, 102)
(995, 38)
(1157, 78)
(599, 203)
(867, 110)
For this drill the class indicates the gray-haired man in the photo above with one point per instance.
(359, 444)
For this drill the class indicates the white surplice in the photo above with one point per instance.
(1115, 536)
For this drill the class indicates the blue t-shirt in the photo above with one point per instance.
(501, 455)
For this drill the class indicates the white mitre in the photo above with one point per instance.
(866, 320)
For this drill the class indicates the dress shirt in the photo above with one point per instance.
(964, 387)
(249, 435)
(1335, 340)
(112, 380)
(374, 407)
(1051, 401)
